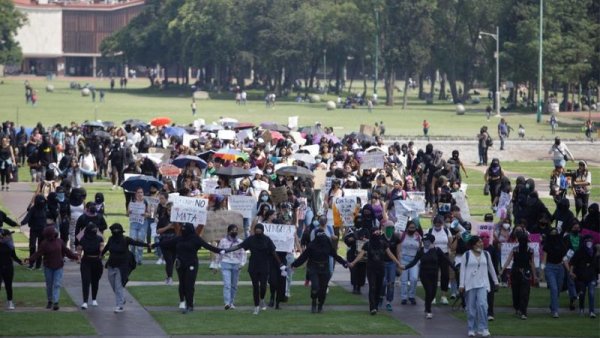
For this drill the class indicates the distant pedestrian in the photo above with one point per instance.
(193, 106)
(521, 131)
(244, 97)
(488, 112)
(121, 82)
(112, 84)
(553, 123)
(101, 95)
(502, 132)
(426, 126)
(93, 95)
(560, 153)
(370, 105)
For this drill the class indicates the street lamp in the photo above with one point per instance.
(540, 59)
(376, 50)
(326, 87)
(497, 56)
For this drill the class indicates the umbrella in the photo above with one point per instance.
(231, 154)
(108, 124)
(276, 135)
(161, 121)
(205, 155)
(275, 126)
(233, 172)
(101, 134)
(141, 181)
(182, 161)
(228, 120)
(97, 124)
(304, 157)
(243, 125)
(311, 130)
(169, 170)
(133, 121)
(175, 131)
(212, 127)
(295, 171)
(329, 137)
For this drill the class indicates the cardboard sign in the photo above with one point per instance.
(375, 159)
(506, 248)
(319, 179)
(169, 170)
(282, 235)
(461, 201)
(293, 122)
(344, 208)
(226, 134)
(209, 185)
(189, 210)
(246, 205)
(279, 195)
(218, 221)
(363, 194)
(136, 212)
(367, 130)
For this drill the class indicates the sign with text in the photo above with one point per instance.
(401, 221)
(279, 195)
(136, 212)
(246, 205)
(418, 199)
(363, 194)
(218, 221)
(209, 185)
(189, 210)
(282, 236)
(503, 205)
(222, 191)
(371, 160)
(344, 208)
(461, 201)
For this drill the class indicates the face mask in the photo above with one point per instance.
(427, 245)
(269, 171)
(589, 245)
(477, 249)
(264, 198)
(233, 234)
(411, 232)
(389, 232)
(506, 226)
(60, 196)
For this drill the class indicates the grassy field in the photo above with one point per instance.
(44, 324)
(65, 105)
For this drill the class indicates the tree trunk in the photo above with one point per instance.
(468, 86)
(453, 89)
(390, 84)
(442, 96)
(405, 94)
(421, 94)
(432, 88)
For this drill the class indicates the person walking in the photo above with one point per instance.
(521, 272)
(581, 183)
(583, 268)
(317, 254)
(52, 250)
(426, 126)
(389, 279)
(36, 220)
(443, 240)
(354, 240)
(7, 271)
(165, 230)
(409, 244)
(554, 250)
(502, 132)
(484, 141)
(261, 249)
(120, 262)
(476, 268)
(194, 107)
(231, 264)
(7, 161)
(88, 248)
(186, 249)
(560, 153)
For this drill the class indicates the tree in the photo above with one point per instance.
(10, 21)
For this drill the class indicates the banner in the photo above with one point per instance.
(246, 205)
(406, 208)
(218, 221)
(260, 186)
(282, 235)
(344, 208)
(188, 210)
(506, 248)
(222, 191)
(363, 194)
(372, 160)
(136, 212)
(418, 199)
(461, 202)
(226, 134)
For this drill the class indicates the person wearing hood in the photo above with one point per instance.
(592, 218)
(354, 240)
(493, 178)
(231, 264)
(521, 272)
(375, 250)
(7, 271)
(582, 183)
(5, 219)
(573, 242)
(261, 249)
(317, 254)
(77, 208)
(584, 267)
(563, 216)
(64, 213)
(99, 203)
(186, 249)
(36, 220)
(89, 216)
(554, 251)
(52, 250)
(534, 210)
(120, 262)
(90, 245)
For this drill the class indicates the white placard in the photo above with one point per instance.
(187, 138)
(401, 221)
(246, 205)
(463, 187)
(344, 209)
(363, 194)
(189, 210)
(136, 212)
(243, 134)
(461, 201)
(418, 199)
(506, 248)
(223, 191)
(503, 204)
(209, 185)
(405, 208)
(282, 236)
(293, 122)
(313, 149)
(483, 227)
(226, 134)
(372, 160)
(260, 185)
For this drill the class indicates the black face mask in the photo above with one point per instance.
(411, 232)
(233, 234)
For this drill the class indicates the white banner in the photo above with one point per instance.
(405, 208)
(461, 202)
(418, 199)
(226, 135)
(188, 210)
(363, 194)
(372, 160)
(345, 206)
(246, 205)
(400, 225)
(292, 122)
(282, 236)
(506, 248)
(136, 212)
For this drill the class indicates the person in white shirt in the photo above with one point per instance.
(476, 265)
(560, 153)
(231, 264)
(88, 166)
(443, 238)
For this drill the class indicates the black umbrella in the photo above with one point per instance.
(141, 181)
(294, 170)
(233, 172)
(205, 155)
(101, 134)
(96, 124)
(108, 124)
(312, 130)
(275, 126)
(134, 122)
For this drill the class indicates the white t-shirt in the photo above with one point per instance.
(410, 245)
(87, 162)
(441, 239)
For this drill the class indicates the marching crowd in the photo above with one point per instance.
(453, 254)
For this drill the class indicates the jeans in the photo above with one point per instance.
(408, 276)
(137, 231)
(560, 163)
(114, 278)
(554, 274)
(591, 291)
(389, 279)
(53, 283)
(231, 273)
(502, 142)
(477, 309)
(571, 288)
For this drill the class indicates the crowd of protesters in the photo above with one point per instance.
(62, 158)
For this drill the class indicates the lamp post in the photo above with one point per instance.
(326, 87)
(497, 56)
(540, 60)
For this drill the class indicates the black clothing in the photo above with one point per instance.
(358, 273)
(262, 249)
(120, 256)
(91, 272)
(520, 274)
(431, 262)
(5, 219)
(85, 219)
(7, 271)
(555, 249)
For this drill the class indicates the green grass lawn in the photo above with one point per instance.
(538, 324)
(36, 297)
(212, 295)
(280, 323)
(22, 274)
(45, 324)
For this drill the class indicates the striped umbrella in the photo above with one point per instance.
(231, 154)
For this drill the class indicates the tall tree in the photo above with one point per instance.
(10, 21)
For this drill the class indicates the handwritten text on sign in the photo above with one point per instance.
(243, 204)
(136, 212)
(372, 160)
(188, 210)
(282, 236)
(345, 206)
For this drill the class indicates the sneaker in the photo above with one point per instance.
(388, 307)
(169, 281)
(523, 317)
(412, 301)
(227, 307)
(182, 305)
(429, 315)
(263, 305)
(555, 315)
(403, 302)
(490, 318)
(55, 307)
(433, 302)
(373, 312)
(119, 309)
(84, 306)
(592, 314)
(159, 261)
(49, 305)
(94, 302)
(444, 300)
(11, 306)
(471, 334)
(232, 306)
(256, 310)
(485, 333)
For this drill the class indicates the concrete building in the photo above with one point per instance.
(63, 37)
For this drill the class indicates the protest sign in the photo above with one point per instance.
(319, 179)
(417, 199)
(246, 205)
(222, 191)
(209, 185)
(461, 202)
(218, 221)
(292, 122)
(344, 208)
(279, 195)
(366, 129)
(506, 248)
(152, 204)
(313, 149)
(244, 134)
(363, 194)
(478, 228)
(187, 138)
(406, 208)
(401, 221)
(188, 210)
(226, 134)
(260, 186)
(503, 205)
(372, 160)
(282, 236)
(136, 212)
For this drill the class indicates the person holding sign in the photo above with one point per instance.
(231, 264)
(186, 262)
(375, 250)
(317, 254)
(522, 270)
(137, 211)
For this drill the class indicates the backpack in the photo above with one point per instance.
(489, 141)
